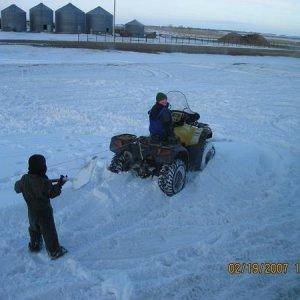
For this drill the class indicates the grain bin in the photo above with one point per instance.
(99, 20)
(69, 19)
(41, 18)
(13, 18)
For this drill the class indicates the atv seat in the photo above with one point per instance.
(164, 141)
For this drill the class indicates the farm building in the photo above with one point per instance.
(41, 18)
(13, 18)
(135, 28)
(69, 19)
(99, 20)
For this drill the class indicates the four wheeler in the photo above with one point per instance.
(170, 160)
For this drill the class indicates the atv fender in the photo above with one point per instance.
(184, 156)
(120, 143)
(166, 155)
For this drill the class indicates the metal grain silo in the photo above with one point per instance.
(41, 18)
(135, 28)
(69, 19)
(13, 18)
(99, 20)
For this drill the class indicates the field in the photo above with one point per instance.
(126, 240)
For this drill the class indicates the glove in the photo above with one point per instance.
(62, 180)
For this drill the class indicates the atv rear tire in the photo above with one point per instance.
(117, 163)
(172, 177)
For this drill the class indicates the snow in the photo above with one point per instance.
(126, 240)
(40, 36)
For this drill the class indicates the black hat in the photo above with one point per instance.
(37, 165)
(161, 96)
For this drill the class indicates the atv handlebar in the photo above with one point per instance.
(181, 117)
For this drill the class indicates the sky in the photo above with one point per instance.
(266, 16)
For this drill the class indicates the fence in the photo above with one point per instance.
(177, 40)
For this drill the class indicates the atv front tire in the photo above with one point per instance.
(117, 163)
(172, 177)
(208, 153)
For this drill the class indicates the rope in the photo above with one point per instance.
(93, 155)
(71, 160)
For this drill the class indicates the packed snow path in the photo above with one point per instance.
(126, 240)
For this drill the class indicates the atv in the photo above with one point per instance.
(170, 159)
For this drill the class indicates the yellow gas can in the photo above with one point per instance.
(189, 135)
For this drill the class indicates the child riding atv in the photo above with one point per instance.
(160, 119)
(178, 143)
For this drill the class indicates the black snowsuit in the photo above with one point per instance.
(163, 115)
(37, 191)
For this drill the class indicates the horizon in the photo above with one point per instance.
(263, 16)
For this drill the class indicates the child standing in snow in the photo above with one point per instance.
(37, 190)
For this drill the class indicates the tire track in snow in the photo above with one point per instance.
(155, 72)
(287, 124)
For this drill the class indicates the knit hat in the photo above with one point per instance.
(161, 96)
(37, 165)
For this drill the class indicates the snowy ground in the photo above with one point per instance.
(126, 240)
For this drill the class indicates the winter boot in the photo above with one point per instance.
(58, 253)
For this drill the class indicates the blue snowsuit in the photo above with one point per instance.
(161, 124)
